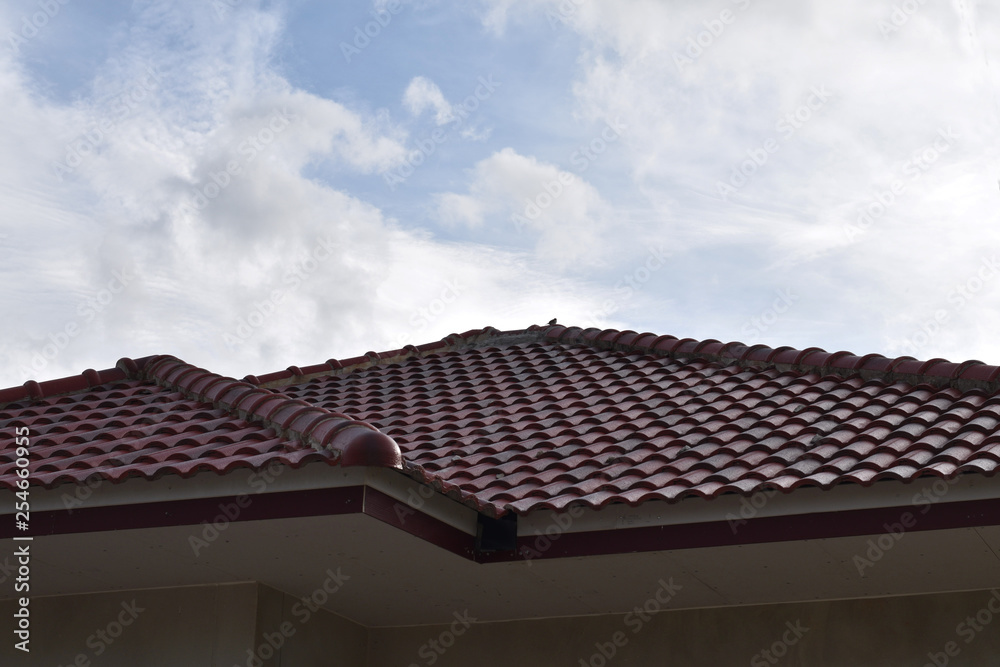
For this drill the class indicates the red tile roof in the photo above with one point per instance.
(158, 416)
(540, 418)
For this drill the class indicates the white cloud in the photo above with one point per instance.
(565, 213)
(422, 94)
(209, 225)
(495, 15)
(702, 91)
(188, 226)
(434, 289)
(455, 208)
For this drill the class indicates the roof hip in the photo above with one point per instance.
(358, 443)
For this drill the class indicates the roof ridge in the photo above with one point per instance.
(455, 341)
(972, 374)
(354, 442)
(36, 391)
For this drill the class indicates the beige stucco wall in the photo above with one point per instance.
(306, 637)
(220, 625)
(197, 626)
(885, 632)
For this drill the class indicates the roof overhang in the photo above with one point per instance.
(412, 552)
(321, 489)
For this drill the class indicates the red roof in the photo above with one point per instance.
(522, 420)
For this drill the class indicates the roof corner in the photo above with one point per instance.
(366, 447)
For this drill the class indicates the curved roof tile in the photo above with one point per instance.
(544, 417)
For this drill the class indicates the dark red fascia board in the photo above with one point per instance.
(822, 525)
(552, 544)
(262, 507)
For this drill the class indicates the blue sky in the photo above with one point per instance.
(252, 185)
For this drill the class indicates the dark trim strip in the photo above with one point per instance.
(378, 505)
(410, 520)
(824, 525)
(251, 507)
(191, 512)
